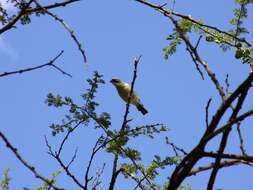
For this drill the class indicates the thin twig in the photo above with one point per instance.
(175, 148)
(197, 44)
(207, 108)
(227, 84)
(50, 63)
(198, 58)
(73, 158)
(94, 151)
(66, 137)
(229, 156)
(96, 180)
(55, 5)
(224, 127)
(243, 150)
(26, 164)
(223, 164)
(136, 61)
(195, 62)
(66, 169)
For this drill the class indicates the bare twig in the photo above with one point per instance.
(59, 69)
(173, 5)
(175, 148)
(73, 158)
(55, 5)
(227, 84)
(136, 61)
(96, 182)
(50, 63)
(207, 108)
(71, 32)
(195, 62)
(66, 137)
(94, 151)
(193, 57)
(229, 156)
(197, 44)
(66, 169)
(223, 128)
(243, 150)
(26, 164)
(223, 164)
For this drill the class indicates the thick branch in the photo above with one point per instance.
(225, 137)
(182, 170)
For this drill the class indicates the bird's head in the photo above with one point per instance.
(115, 81)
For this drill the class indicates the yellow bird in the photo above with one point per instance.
(124, 90)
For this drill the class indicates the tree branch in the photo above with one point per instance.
(20, 14)
(183, 169)
(243, 150)
(66, 169)
(225, 137)
(26, 164)
(55, 5)
(116, 157)
(229, 156)
(226, 163)
(94, 151)
(187, 17)
(50, 63)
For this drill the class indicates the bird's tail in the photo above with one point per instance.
(142, 109)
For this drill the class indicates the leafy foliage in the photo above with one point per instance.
(80, 114)
(187, 27)
(45, 186)
(225, 40)
(4, 184)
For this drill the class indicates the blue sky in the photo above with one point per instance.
(112, 34)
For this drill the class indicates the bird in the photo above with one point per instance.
(124, 90)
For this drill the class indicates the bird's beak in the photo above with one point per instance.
(110, 81)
